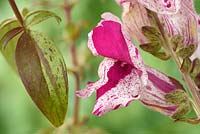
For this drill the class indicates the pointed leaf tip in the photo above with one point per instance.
(37, 17)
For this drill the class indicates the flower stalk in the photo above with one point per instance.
(72, 50)
(16, 11)
(186, 77)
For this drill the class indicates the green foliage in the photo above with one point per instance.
(195, 69)
(186, 65)
(186, 52)
(39, 63)
(43, 72)
(39, 16)
(197, 5)
(10, 35)
(152, 33)
(18, 113)
(175, 42)
(179, 98)
(8, 52)
(152, 47)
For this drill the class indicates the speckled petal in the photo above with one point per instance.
(162, 6)
(183, 23)
(197, 52)
(119, 84)
(109, 39)
(134, 18)
(158, 86)
(159, 6)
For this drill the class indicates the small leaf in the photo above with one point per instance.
(4, 22)
(10, 35)
(9, 51)
(43, 73)
(151, 16)
(25, 11)
(182, 110)
(177, 97)
(36, 17)
(151, 33)
(161, 55)
(186, 65)
(152, 47)
(176, 42)
(186, 51)
(195, 70)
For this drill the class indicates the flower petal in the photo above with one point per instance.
(162, 6)
(119, 84)
(109, 39)
(134, 18)
(159, 6)
(158, 86)
(188, 19)
(197, 52)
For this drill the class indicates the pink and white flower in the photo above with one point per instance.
(123, 77)
(160, 6)
(180, 18)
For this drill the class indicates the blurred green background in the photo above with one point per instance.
(18, 114)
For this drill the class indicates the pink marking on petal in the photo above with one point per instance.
(187, 17)
(158, 86)
(97, 111)
(109, 41)
(162, 6)
(117, 72)
(118, 85)
(167, 110)
(116, 107)
(160, 83)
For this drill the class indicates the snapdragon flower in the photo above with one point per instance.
(123, 76)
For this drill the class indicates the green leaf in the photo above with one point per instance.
(152, 47)
(6, 21)
(37, 17)
(25, 12)
(151, 33)
(9, 36)
(161, 55)
(186, 65)
(177, 97)
(182, 110)
(195, 70)
(186, 51)
(43, 73)
(151, 16)
(9, 51)
(176, 42)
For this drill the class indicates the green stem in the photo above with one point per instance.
(73, 54)
(16, 11)
(186, 77)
